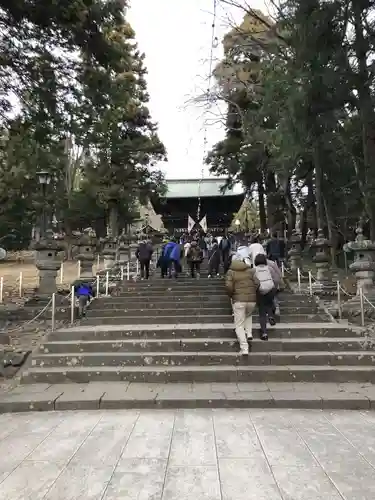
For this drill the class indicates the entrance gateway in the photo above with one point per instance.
(182, 200)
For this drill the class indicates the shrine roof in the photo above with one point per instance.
(192, 188)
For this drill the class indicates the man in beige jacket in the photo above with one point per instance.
(241, 284)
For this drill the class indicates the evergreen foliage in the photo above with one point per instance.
(73, 102)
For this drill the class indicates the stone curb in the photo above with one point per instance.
(65, 402)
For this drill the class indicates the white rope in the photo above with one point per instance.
(66, 297)
(287, 270)
(306, 276)
(31, 320)
(367, 300)
(347, 293)
(315, 279)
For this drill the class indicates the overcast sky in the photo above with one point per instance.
(175, 35)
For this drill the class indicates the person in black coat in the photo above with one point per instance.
(276, 249)
(143, 254)
(225, 250)
(214, 260)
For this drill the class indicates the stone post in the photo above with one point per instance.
(123, 250)
(132, 249)
(48, 259)
(109, 252)
(363, 265)
(322, 259)
(295, 252)
(86, 253)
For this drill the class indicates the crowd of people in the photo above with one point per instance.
(251, 269)
(189, 251)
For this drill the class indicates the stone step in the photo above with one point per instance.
(207, 374)
(164, 300)
(204, 310)
(180, 295)
(200, 331)
(166, 304)
(224, 344)
(151, 319)
(169, 293)
(161, 311)
(118, 308)
(140, 286)
(128, 286)
(182, 278)
(166, 359)
(177, 284)
(122, 395)
(199, 317)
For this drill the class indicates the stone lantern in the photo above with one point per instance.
(86, 252)
(363, 265)
(295, 252)
(322, 259)
(48, 259)
(109, 251)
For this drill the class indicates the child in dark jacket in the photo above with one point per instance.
(214, 261)
(194, 258)
(84, 293)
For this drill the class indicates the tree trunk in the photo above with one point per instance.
(100, 227)
(318, 187)
(332, 232)
(262, 207)
(272, 206)
(292, 212)
(309, 204)
(69, 248)
(366, 113)
(304, 227)
(113, 221)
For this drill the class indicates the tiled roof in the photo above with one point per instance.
(192, 188)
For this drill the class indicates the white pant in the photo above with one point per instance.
(243, 321)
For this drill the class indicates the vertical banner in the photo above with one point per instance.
(203, 224)
(191, 223)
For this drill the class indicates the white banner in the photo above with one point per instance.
(191, 223)
(203, 224)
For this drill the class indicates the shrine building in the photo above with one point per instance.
(182, 201)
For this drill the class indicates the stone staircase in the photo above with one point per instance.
(181, 331)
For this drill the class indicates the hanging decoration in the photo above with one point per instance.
(203, 224)
(214, 45)
(191, 224)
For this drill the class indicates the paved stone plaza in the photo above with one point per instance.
(188, 455)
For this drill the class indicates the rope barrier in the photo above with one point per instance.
(70, 297)
(363, 298)
(31, 320)
(339, 290)
(345, 292)
(368, 302)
